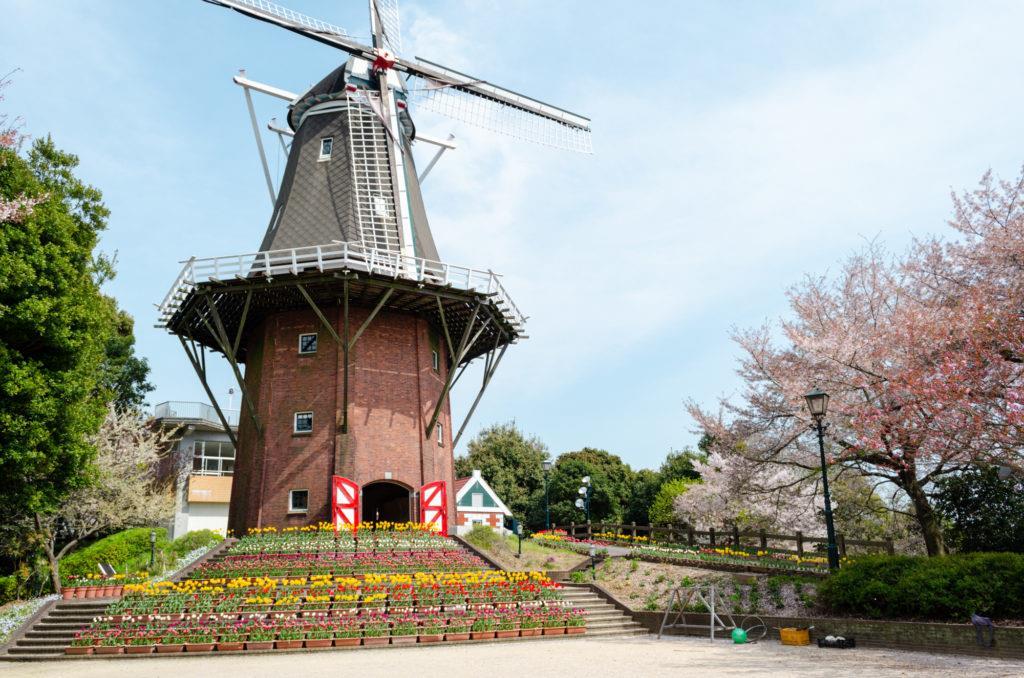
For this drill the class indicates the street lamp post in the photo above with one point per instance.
(817, 403)
(152, 549)
(546, 465)
(583, 502)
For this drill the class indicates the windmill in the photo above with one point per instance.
(352, 329)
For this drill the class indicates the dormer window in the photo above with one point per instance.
(326, 146)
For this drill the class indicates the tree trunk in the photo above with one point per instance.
(926, 518)
(51, 557)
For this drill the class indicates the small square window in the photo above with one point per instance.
(477, 499)
(298, 501)
(303, 422)
(435, 360)
(440, 434)
(307, 343)
(326, 146)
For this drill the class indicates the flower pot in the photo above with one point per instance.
(403, 640)
(198, 647)
(177, 647)
(78, 649)
(139, 649)
(118, 591)
(346, 642)
(319, 642)
(508, 633)
(231, 646)
(259, 645)
(554, 630)
(110, 649)
(68, 592)
(529, 633)
(106, 591)
(481, 635)
(376, 640)
(464, 635)
(91, 592)
(431, 638)
(576, 630)
(288, 644)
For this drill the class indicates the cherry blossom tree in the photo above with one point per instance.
(13, 208)
(922, 357)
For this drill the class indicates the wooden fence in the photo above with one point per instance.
(728, 536)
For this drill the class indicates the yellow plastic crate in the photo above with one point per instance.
(792, 636)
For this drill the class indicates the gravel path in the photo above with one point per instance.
(583, 658)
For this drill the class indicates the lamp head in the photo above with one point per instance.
(546, 465)
(817, 403)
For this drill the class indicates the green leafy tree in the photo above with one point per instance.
(643, 489)
(125, 375)
(511, 464)
(54, 327)
(983, 512)
(611, 480)
(678, 465)
(662, 511)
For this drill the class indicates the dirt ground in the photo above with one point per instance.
(643, 585)
(571, 658)
(534, 557)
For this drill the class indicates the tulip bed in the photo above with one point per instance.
(448, 598)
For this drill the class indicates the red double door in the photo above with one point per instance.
(345, 504)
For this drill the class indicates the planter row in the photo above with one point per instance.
(69, 592)
(318, 613)
(234, 646)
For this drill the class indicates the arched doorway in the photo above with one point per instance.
(384, 500)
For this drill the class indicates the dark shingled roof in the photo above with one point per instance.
(316, 202)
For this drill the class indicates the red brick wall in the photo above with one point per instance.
(392, 392)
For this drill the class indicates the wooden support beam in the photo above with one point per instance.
(200, 369)
(241, 323)
(369, 319)
(488, 374)
(222, 338)
(444, 325)
(319, 314)
(463, 345)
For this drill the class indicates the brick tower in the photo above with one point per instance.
(351, 330)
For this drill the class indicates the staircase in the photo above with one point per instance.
(603, 618)
(49, 636)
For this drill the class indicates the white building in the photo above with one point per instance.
(203, 486)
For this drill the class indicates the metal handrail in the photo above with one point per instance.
(337, 255)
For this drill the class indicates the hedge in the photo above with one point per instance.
(8, 589)
(946, 588)
(118, 549)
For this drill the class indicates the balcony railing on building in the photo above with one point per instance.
(193, 411)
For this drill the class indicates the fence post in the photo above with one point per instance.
(590, 530)
(800, 543)
(764, 540)
(711, 536)
(841, 542)
(735, 537)
(890, 548)
(632, 527)
(690, 540)
(671, 533)
(572, 529)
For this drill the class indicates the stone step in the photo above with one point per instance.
(42, 642)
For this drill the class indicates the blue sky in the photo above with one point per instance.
(739, 145)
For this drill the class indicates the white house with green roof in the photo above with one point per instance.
(476, 503)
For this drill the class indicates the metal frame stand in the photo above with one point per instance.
(712, 600)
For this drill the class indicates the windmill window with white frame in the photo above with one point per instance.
(326, 148)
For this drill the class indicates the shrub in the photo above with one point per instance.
(483, 537)
(191, 541)
(8, 589)
(119, 549)
(947, 588)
